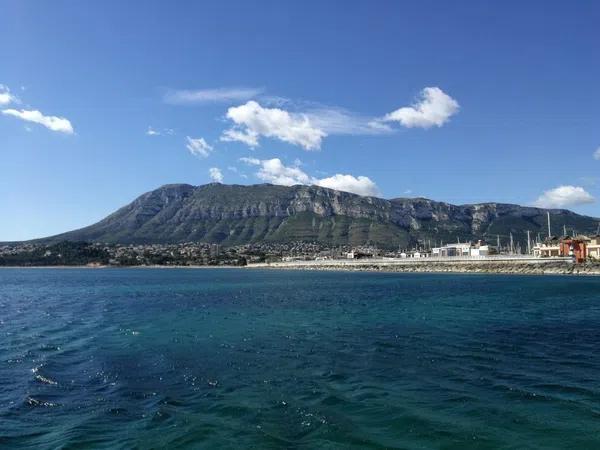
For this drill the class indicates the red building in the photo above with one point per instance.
(577, 248)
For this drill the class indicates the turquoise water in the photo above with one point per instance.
(265, 359)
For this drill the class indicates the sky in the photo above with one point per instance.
(462, 102)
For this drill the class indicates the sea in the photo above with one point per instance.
(267, 359)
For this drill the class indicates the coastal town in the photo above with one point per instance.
(578, 249)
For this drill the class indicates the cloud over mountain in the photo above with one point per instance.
(215, 174)
(275, 172)
(564, 196)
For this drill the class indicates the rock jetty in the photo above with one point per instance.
(531, 266)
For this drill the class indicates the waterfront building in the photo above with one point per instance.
(578, 247)
(549, 248)
(593, 247)
(481, 249)
(575, 247)
(455, 250)
(463, 250)
(419, 254)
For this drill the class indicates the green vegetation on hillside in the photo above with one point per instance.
(235, 215)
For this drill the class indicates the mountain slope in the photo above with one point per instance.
(234, 214)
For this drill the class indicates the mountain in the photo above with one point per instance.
(234, 214)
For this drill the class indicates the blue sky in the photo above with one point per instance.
(455, 101)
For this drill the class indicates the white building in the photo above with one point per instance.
(593, 247)
(453, 250)
(547, 249)
(461, 249)
(481, 250)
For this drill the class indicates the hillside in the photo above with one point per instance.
(234, 214)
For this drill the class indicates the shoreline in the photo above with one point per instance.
(480, 266)
(123, 267)
(508, 267)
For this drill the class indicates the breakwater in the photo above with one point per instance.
(508, 265)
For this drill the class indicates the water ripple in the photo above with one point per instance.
(222, 359)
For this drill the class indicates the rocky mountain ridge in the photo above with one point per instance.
(235, 214)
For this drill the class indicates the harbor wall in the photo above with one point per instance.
(507, 265)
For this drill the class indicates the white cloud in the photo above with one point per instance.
(597, 154)
(252, 121)
(215, 174)
(332, 119)
(247, 137)
(6, 97)
(153, 132)
(306, 124)
(275, 172)
(434, 108)
(564, 196)
(53, 123)
(359, 185)
(218, 95)
(251, 161)
(198, 147)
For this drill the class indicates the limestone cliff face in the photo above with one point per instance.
(233, 214)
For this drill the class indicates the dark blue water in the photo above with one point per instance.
(267, 359)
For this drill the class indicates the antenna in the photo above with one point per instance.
(549, 229)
